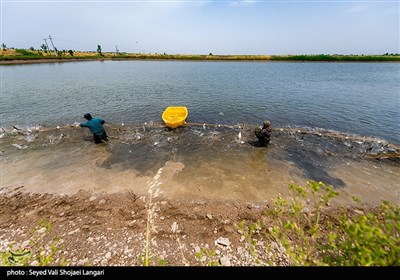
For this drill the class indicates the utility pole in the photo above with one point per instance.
(55, 50)
(46, 44)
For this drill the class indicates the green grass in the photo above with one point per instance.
(22, 54)
(313, 234)
(37, 253)
(333, 58)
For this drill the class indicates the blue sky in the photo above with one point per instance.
(203, 27)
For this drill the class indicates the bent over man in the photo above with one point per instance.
(95, 125)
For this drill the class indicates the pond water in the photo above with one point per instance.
(332, 122)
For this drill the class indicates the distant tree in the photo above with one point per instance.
(32, 48)
(44, 48)
(4, 46)
(71, 52)
(99, 50)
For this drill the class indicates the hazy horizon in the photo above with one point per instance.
(201, 27)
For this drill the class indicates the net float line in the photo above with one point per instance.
(122, 127)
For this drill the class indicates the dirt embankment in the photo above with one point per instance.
(98, 229)
(113, 229)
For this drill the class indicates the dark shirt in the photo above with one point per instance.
(263, 135)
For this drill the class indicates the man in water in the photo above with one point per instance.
(96, 127)
(264, 133)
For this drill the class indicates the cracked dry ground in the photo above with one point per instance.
(110, 229)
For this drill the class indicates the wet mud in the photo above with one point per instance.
(198, 161)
